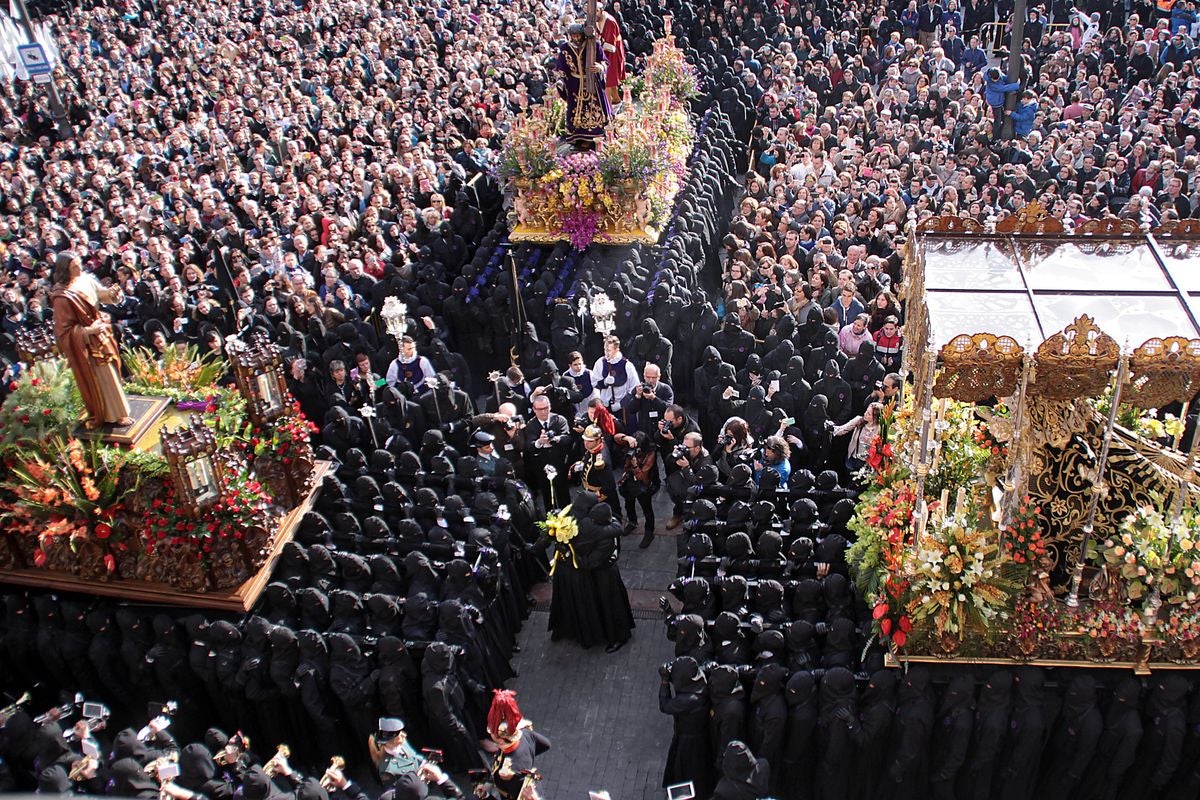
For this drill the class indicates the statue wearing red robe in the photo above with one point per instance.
(614, 50)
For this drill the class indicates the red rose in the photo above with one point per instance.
(110, 563)
(39, 555)
(34, 381)
(103, 531)
(24, 419)
(45, 412)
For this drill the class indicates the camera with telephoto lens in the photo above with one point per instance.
(679, 451)
(582, 421)
(647, 388)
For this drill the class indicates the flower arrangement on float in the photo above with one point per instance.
(100, 512)
(626, 183)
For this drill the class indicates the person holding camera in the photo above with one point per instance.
(650, 399)
(687, 458)
(672, 429)
(735, 445)
(507, 430)
(639, 483)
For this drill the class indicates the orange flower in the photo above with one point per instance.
(89, 489)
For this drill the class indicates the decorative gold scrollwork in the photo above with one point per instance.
(949, 223)
(979, 366)
(1112, 226)
(1031, 218)
(1076, 362)
(1163, 371)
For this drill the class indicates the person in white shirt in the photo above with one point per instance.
(409, 367)
(613, 375)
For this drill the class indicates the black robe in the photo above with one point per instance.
(1118, 746)
(909, 761)
(684, 695)
(1074, 739)
(597, 547)
(951, 736)
(836, 728)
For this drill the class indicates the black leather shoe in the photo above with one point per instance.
(647, 539)
(612, 648)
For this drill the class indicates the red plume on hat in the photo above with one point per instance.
(504, 716)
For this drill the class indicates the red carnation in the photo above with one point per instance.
(110, 563)
(103, 531)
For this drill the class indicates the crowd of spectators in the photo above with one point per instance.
(287, 167)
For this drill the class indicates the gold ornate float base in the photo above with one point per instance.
(239, 599)
(529, 233)
(892, 661)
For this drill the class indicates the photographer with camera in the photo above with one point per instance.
(639, 483)
(669, 438)
(507, 429)
(687, 458)
(564, 394)
(735, 445)
(650, 399)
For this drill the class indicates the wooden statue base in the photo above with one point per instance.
(239, 599)
(146, 413)
(1137, 667)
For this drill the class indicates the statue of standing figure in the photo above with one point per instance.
(85, 338)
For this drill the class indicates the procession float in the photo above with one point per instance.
(187, 504)
(620, 188)
(1035, 498)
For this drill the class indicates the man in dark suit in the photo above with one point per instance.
(546, 447)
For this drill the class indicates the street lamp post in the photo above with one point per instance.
(57, 111)
(1014, 66)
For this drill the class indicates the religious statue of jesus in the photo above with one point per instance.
(588, 109)
(86, 339)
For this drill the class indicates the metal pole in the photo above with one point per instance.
(1098, 486)
(57, 112)
(1014, 66)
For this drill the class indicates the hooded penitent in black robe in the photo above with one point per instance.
(743, 777)
(1073, 742)
(1162, 742)
(1026, 736)
(876, 709)
(684, 695)
(987, 737)
(798, 760)
(837, 725)
(597, 548)
(573, 612)
(769, 718)
(727, 697)
(1118, 745)
(909, 760)
(445, 708)
(951, 736)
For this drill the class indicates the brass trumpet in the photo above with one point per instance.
(81, 766)
(152, 769)
(9, 710)
(280, 757)
(336, 764)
